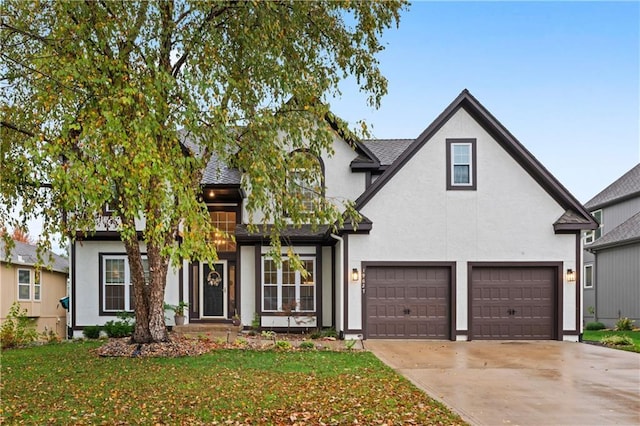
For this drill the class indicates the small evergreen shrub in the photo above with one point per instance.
(595, 325)
(617, 340)
(307, 345)
(624, 324)
(123, 327)
(91, 331)
(17, 329)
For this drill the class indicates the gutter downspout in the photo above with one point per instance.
(340, 283)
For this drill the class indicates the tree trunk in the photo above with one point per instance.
(158, 266)
(141, 332)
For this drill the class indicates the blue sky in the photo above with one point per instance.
(563, 77)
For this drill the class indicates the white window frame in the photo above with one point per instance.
(591, 236)
(590, 267)
(37, 285)
(454, 164)
(128, 285)
(22, 284)
(298, 285)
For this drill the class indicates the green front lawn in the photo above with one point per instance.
(67, 384)
(597, 336)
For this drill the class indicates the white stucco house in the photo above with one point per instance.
(465, 236)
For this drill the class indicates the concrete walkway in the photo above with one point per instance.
(522, 383)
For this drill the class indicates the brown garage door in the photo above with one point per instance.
(407, 302)
(512, 303)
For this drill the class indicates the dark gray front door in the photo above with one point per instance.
(408, 302)
(213, 290)
(513, 302)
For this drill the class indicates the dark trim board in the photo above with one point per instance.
(451, 266)
(558, 305)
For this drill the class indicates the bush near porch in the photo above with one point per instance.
(68, 383)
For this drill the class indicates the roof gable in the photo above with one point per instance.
(627, 186)
(508, 142)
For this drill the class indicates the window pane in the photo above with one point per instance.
(23, 292)
(270, 272)
(114, 297)
(289, 298)
(24, 276)
(307, 297)
(461, 174)
(270, 298)
(145, 268)
(114, 271)
(288, 273)
(461, 154)
(36, 292)
(225, 222)
(588, 276)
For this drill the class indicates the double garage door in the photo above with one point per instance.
(504, 303)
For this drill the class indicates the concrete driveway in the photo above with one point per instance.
(522, 383)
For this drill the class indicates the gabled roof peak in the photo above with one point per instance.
(510, 144)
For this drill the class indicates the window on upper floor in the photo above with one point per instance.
(461, 164)
(306, 178)
(24, 284)
(225, 223)
(285, 289)
(588, 276)
(591, 236)
(116, 284)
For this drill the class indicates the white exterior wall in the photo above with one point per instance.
(327, 279)
(87, 285)
(508, 218)
(247, 284)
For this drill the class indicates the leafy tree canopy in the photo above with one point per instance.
(98, 95)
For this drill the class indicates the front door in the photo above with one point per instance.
(214, 290)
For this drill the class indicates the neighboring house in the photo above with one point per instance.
(465, 235)
(38, 290)
(612, 253)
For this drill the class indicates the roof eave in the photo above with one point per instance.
(597, 247)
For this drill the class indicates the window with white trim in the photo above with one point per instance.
(37, 288)
(591, 236)
(588, 276)
(306, 179)
(286, 289)
(461, 164)
(24, 284)
(117, 286)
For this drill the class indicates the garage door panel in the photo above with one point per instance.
(417, 296)
(513, 302)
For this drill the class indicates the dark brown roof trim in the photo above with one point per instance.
(526, 160)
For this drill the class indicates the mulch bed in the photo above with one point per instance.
(180, 345)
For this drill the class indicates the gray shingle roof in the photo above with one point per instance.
(387, 150)
(216, 172)
(626, 186)
(625, 233)
(25, 254)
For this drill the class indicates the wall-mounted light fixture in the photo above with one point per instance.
(355, 275)
(571, 275)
